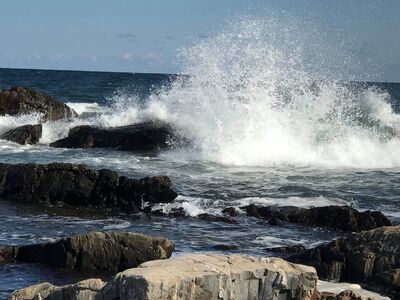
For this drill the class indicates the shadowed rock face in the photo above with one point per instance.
(369, 256)
(22, 101)
(94, 251)
(201, 277)
(143, 137)
(336, 217)
(27, 134)
(78, 185)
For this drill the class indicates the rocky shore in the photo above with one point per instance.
(368, 252)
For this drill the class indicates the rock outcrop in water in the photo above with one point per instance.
(23, 101)
(27, 134)
(94, 251)
(78, 185)
(201, 277)
(336, 217)
(142, 137)
(369, 257)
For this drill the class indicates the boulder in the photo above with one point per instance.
(336, 217)
(94, 251)
(79, 185)
(27, 134)
(24, 101)
(345, 295)
(143, 137)
(201, 277)
(367, 257)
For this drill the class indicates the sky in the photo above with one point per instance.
(145, 36)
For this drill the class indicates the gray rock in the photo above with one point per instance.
(27, 134)
(94, 251)
(78, 185)
(200, 277)
(22, 101)
(368, 257)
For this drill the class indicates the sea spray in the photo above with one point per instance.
(255, 96)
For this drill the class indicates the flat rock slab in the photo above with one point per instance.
(26, 134)
(79, 185)
(93, 251)
(200, 277)
(142, 137)
(24, 101)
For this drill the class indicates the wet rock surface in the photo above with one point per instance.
(23, 101)
(94, 251)
(27, 134)
(201, 276)
(142, 137)
(336, 217)
(79, 185)
(371, 257)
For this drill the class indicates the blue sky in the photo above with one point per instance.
(143, 36)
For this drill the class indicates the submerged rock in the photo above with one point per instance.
(27, 134)
(23, 101)
(78, 185)
(336, 217)
(369, 257)
(94, 251)
(143, 137)
(206, 276)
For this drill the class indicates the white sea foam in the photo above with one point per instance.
(9, 122)
(290, 201)
(257, 95)
(82, 107)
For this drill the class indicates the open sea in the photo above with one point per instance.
(265, 134)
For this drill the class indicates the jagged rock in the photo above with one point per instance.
(27, 134)
(23, 101)
(230, 211)
(336, 217)
(369, 257)
(143, 137)
(93, 251)
(345, 295)
(201, 277)
(288, 249)
(78, 185)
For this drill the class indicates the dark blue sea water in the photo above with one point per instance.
(340, 146)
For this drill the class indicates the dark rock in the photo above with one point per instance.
(213, 218)
(78, 185)
(95, 251)
(336, 217)
(224, 247)
(27, 134)
(345, 295)
(142, 137)
(274, 222)
(230, 211)
(288, 249)
(22, 101)
(7, 254)
(368, 257)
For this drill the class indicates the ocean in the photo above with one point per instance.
(263, 131)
